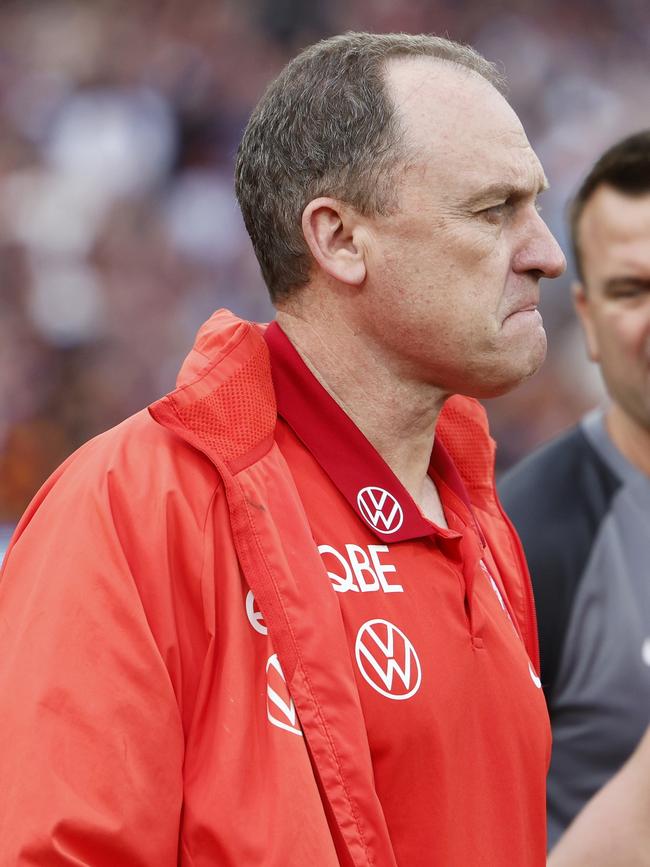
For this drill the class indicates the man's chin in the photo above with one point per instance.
(505, 379)
(530, 359)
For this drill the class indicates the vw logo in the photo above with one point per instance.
(387, 660)
(254, 615)
(380, 509)
(280, 709)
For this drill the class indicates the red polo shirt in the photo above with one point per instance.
(456, 721)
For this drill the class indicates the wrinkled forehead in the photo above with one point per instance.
(456, 125)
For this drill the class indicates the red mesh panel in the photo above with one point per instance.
(463, 432)
(240, 413)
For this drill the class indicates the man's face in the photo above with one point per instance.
(614, 302)
(454, 273)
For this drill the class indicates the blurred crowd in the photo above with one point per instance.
(119, 231)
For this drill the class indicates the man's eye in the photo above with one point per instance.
(495, 213)
(623, 291)
(501, 211)
(628, 292)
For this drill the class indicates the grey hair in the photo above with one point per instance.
(326, 127)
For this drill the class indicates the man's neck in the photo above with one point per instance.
(397, 416)
(630, 438)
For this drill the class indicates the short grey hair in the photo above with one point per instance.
(326, 127)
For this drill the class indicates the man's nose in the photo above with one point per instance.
(539, 251)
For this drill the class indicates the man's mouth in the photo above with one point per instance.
(531, 307)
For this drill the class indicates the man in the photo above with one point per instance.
(582, 503)
(280, 619)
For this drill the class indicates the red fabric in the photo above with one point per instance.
(137, 692)
(422, 592)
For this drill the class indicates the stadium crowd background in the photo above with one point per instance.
(119, 231)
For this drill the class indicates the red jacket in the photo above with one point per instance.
(133, 722)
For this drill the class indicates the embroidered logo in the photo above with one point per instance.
(387, 660)
(359, 569)
(380, 509)
(255, 617)
(280, 709)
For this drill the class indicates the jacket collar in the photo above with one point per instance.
(355, 467)
(229, 351)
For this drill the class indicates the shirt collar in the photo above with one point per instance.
(349, 459)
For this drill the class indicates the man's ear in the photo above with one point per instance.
(333, 234)
(584, 310)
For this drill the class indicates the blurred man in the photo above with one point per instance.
(279, 619)
(582, 503)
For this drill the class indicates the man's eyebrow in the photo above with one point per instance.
(500, 191)
(617, 283)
